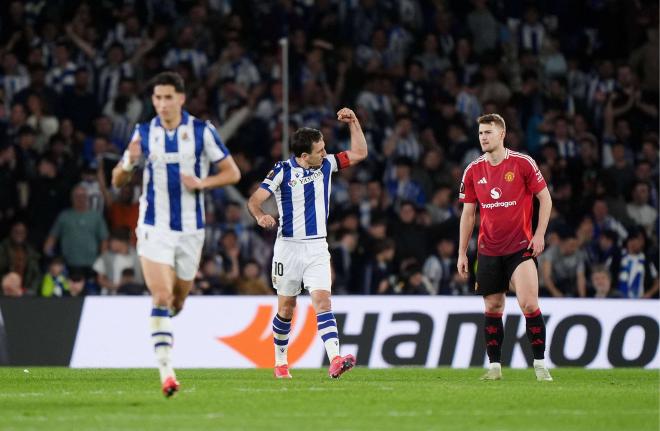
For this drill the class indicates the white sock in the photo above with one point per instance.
(162, 338)
(495, 365)
(327, 326)
(539, 363)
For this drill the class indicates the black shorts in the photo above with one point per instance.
(494, 272)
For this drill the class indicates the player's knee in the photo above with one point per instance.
(529, 307)
(162, 298)
(494, 306)
(322, 305)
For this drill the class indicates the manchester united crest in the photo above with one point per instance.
(509, 176)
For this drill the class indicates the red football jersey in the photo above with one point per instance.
(504, 194)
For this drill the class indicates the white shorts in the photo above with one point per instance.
(182, 251)
(301, 263)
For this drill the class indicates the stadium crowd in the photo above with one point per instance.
(580, 98)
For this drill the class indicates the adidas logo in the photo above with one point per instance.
(482, 181)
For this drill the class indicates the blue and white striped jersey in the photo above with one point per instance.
(165, 203)
(302, 197)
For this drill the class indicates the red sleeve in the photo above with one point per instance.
(342, 160)
(534, 180)
(466, 193)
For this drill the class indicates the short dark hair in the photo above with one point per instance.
(302, 140)
(169, 78)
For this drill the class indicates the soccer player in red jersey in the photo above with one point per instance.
(502, 182)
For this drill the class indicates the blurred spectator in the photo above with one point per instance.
(129, 283)
(434, 171)
(644, 61)
(9, 177)
(79, 103)
(61, 76)
(48, 196)
(564, 268)
(441, 208)
(185, 51)
(440, 268)
(601, 283)
(55, 283)
(532, 31)
(124, 110)
(251, 281)
(409, 237)
(605, 252)
(379, 273)
(602, 220)
(639, 276)
(620, 176)
(15, 76)
(38, 87)
(19, 257)
(89, 180)
(110, 265)
(229, 258)
(402, 187)
(80, 232)
(412, 281)
(483, 27)
(342, 256)
(101, 141)
(12, 285)
(44, 123)
(208, 280)
(26, 154)
(122, 208)
(403, 141)
(639, 209)
(77, 284)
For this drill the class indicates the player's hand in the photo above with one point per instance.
(191, 182)
(134, 151)
(537, 244)
(462, 266)
(266, 221)
(346, 115)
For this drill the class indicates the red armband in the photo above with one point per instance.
(342, 160)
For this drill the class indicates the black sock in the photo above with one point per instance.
(536, 333)
(494, 332)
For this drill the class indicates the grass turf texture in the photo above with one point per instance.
(392, 399)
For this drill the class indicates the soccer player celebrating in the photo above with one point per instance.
(178, 150)
(503, 182)
(301, 186)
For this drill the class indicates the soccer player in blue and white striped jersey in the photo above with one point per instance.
(178, 150)
(301, 186)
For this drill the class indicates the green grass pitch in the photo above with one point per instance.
(390, 399)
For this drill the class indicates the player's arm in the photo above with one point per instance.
(121, 174)
(254, 206)
(358, 151)
(468, 217)
(228, 173)
(537, 244)
(215, 150)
